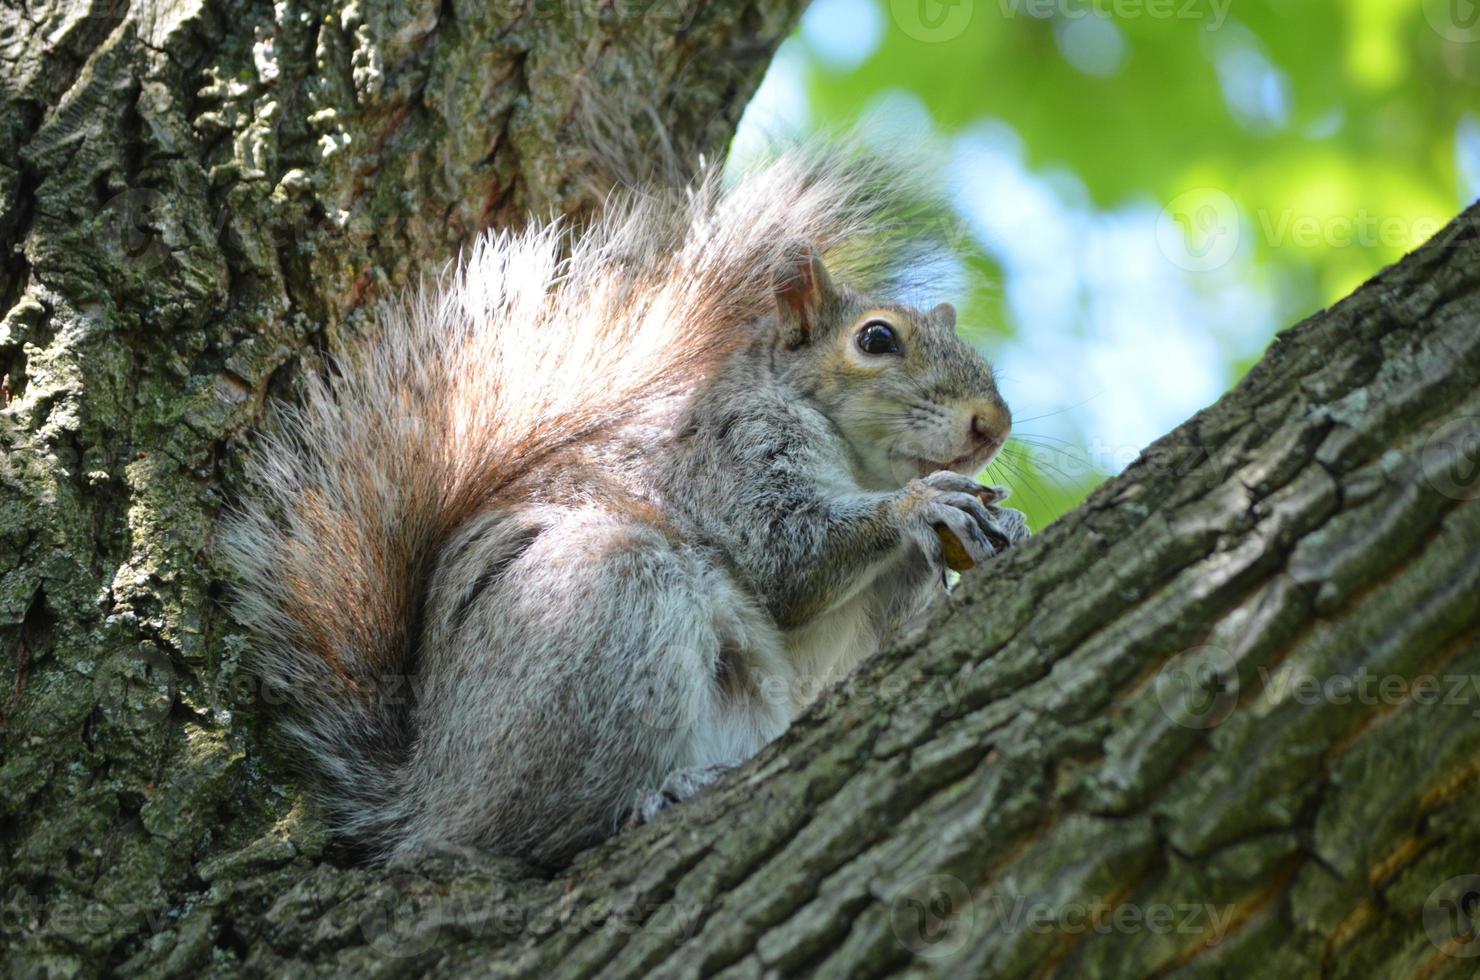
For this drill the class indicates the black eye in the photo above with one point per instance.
(878, 337)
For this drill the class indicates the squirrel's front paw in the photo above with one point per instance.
(1011, 522)
(969, 525)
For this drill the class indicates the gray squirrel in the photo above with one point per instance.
(592, 518)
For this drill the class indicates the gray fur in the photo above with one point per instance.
(573, 530)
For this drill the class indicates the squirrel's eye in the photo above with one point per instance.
(878, 337)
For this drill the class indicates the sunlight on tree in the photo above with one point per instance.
(1152, 188)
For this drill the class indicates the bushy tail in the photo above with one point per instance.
(533, 341)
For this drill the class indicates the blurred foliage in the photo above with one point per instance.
(1334, 126)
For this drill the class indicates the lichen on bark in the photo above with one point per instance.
(199, 200)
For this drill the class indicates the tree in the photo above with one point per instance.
(1220, 719)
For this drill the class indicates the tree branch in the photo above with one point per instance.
(1220, 720)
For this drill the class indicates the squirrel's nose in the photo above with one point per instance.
(990, 423)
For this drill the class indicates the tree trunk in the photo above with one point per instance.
(1224, 719)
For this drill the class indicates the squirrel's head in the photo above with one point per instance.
(909, 396)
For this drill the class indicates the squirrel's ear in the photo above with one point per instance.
(946, 312)
(801, 289)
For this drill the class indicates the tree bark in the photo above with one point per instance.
(197, 196)
(1224, 719)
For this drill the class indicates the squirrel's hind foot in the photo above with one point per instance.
(680, 785)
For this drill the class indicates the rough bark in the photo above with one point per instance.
(1128, 750)
(197, 196)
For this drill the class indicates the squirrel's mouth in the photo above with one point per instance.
(967, 464)
(907, 465)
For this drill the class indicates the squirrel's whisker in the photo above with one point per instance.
(560, 534)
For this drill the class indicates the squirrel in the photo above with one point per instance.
(588, 520)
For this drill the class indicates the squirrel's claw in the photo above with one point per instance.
(680, 785)
(969, 524)
(967, 520)
(949, 481)
(1011, 524)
